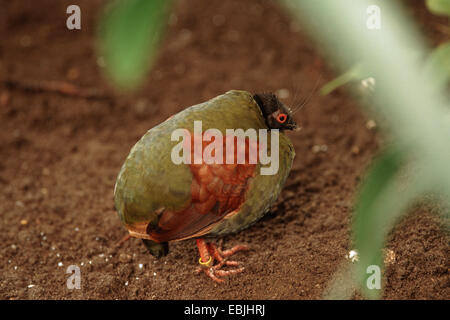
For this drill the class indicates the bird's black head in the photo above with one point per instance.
(276, 114)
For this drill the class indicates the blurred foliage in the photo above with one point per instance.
(410, 99)
(439, 7)
(438, 60)
(130, 32)
(356, 72)
(438, 65)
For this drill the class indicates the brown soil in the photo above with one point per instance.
(60, 156)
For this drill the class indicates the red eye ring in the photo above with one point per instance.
(282, 117)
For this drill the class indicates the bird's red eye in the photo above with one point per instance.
(281, 118)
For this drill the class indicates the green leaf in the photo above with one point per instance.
(438, 64)
(130, 32)
(378, 206)
(354, 73)
(439, 7)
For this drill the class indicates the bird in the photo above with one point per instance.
(160, 200)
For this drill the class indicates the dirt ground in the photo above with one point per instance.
(60, 155)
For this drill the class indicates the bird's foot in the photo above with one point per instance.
(209, 253)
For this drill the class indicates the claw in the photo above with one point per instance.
(233, 250)
(225, 273)
(210, 253)
(233, 263)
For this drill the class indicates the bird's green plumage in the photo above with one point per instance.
(149, 180)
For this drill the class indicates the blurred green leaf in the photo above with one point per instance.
(356, 72)
(130, 32)
(414, 113)
(439, 7)
(383, 199)
(438, 64)
(374, 211)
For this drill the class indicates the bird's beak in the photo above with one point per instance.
(294, 126)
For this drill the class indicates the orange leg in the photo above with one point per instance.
(210, 253)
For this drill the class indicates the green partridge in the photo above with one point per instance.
(179, 182)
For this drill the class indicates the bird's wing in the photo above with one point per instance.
(217, 192)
